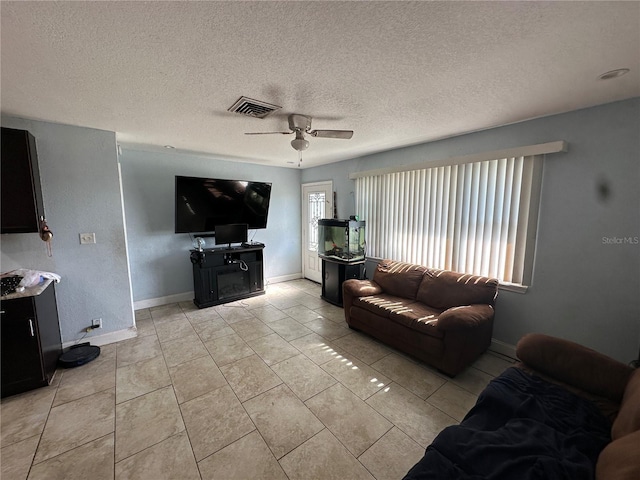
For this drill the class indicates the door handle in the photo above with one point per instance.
(31, 328)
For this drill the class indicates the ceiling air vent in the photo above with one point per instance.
(253, 108)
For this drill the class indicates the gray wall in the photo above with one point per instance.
(584, 289)
(81, 190)
(159, 258)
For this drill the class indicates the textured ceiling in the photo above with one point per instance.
(397, 73)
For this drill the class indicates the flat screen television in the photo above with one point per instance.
(231, 233)
(203, 203)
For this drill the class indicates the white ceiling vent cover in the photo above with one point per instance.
(253, 108)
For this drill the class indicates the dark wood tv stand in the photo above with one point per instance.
(226, 274)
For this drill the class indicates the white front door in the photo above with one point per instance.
(317, 203)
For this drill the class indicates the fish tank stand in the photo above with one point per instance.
(334, 273)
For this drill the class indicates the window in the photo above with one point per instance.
(476, 217)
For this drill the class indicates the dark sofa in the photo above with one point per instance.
(564, 412)
(441, 317)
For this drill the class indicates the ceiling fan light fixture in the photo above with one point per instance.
(299, 143)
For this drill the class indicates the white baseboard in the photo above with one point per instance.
(283, 278)
(188, 296)
(105, 339)
(503, 348)
(156, 302)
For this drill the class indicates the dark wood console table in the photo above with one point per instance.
(222, 275)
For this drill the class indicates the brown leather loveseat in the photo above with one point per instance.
(440, 317)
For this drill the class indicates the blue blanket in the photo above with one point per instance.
(521, 428)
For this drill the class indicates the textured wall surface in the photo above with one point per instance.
(81, 190)
(586, 283)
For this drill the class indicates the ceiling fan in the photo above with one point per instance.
(301, 125)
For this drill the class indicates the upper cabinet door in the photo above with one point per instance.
(22, 206)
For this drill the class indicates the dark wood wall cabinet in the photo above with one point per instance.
(222, 275)
(30, 341)
(22, 207)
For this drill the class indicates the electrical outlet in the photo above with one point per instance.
(86, 238)
(96, 323)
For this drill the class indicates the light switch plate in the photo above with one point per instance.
(86, 238)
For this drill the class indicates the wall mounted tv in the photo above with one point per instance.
(203, 203)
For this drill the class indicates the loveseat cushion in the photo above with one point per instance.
(382, 304)
(419, 317)
(620, 460)
(398, 278)
(444, 289)
(628, 419)
(404, 311)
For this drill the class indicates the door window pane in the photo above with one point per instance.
(316, 212)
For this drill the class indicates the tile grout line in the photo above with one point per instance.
(183, 310)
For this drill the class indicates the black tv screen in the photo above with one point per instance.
(231, 233)
(203, 203)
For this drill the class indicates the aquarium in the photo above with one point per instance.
(341, 239)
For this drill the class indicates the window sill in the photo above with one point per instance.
(512, 287)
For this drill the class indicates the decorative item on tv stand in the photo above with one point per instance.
(341, 247)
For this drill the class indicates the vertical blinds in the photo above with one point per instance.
(476, 218)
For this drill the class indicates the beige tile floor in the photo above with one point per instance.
(274, 387)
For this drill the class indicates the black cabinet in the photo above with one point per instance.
(222, 275)
(334, 274)
(30, 341)
(21, 205)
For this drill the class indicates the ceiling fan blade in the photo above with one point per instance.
(346, 134)
(267, 133)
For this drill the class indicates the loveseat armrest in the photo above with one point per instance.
(574, 364)
(465, 317)
(360, 288)
(354, 288)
